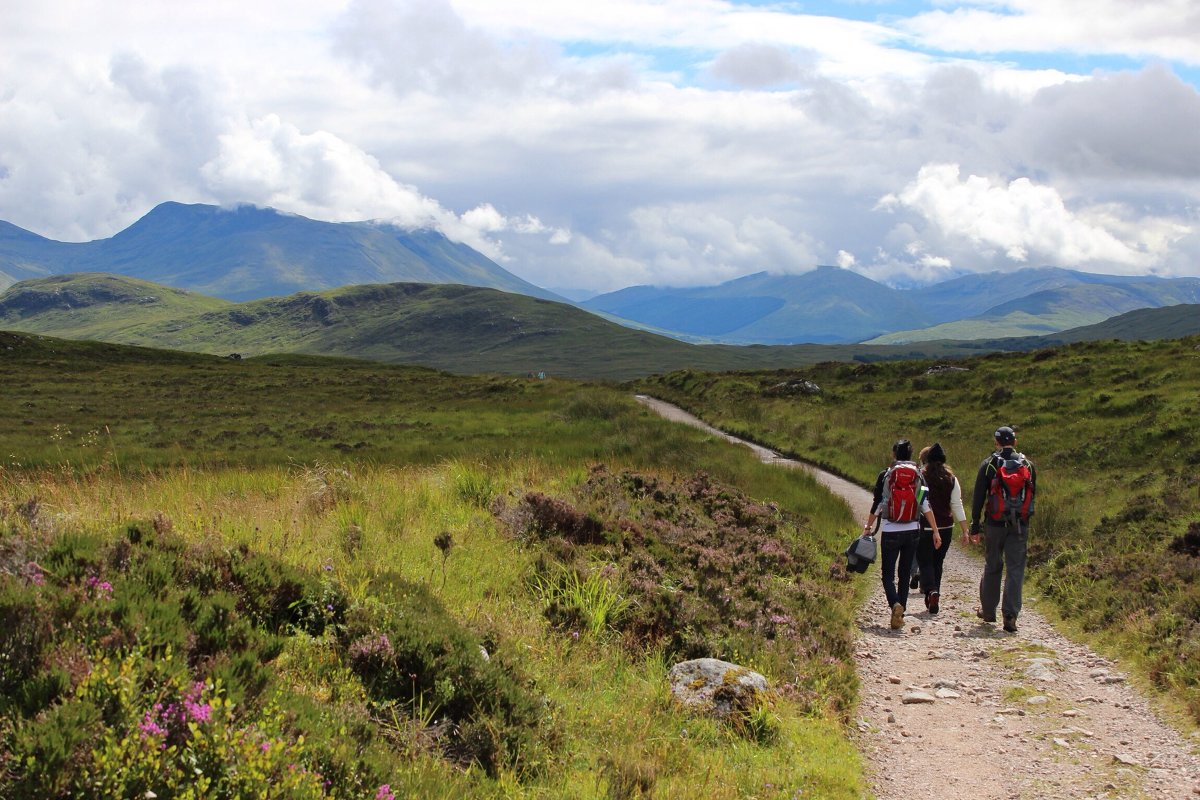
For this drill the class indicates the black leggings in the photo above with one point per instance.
(930, 558)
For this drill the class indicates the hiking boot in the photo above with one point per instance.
(931, 602)
(915, 581)
(1010, 624)
(985, 617)
(897, 616)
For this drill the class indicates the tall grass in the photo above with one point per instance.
(417, 504)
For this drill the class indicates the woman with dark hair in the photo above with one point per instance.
(899, 502)
(945, 498)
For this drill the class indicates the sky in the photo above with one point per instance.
(592, 145)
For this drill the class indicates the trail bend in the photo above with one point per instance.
(1031, 715)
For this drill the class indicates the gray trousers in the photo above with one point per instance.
(1005, 546)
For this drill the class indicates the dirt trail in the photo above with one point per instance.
(952, 707)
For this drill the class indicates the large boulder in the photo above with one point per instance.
(715, 687)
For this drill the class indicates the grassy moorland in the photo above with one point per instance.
(1112, 427)
(300, 577)
(463, 329)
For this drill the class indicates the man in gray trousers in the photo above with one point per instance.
(1005, 487)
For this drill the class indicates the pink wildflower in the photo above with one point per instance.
(98, 588)
(385, 793)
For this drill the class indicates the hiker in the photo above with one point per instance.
(1006, 485)
(900, 501)
(945, 498)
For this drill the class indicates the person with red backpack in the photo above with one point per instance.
(900, 502)
(1005, 488)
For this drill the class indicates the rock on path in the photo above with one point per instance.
(953, 707)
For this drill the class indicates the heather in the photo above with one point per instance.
(481, 600)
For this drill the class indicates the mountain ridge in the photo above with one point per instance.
(456, 328)
(835, 305)
(245, 253)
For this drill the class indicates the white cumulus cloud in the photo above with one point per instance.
(1024, 221)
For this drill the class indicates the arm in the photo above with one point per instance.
(931, 521)
(979, 497)
(956, 507)
(876, 499)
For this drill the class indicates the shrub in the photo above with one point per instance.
(409, 652)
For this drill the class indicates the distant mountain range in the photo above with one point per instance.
(246, 253)
(457, 328)
(833, 305)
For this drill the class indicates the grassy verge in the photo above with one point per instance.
(1115, 545)
(207, 615)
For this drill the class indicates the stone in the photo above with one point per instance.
(893, 679)
(1037, 700)
(1126, 760)
(715, 687)
(946, 694)
(918, 697)
(1039, 672)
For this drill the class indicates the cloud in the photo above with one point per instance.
(757, 66)
(270, 162)
(487, 220)
(1024, 221)
(426, 46)
(628, 141)
(1168, 29)
(1124, 125)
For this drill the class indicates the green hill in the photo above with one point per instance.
(95, 305)
(1171, 322)
(1053, 310)
(462, 329)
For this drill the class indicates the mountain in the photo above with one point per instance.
(830, 304)
(1060, 309)
(825, 305)
(246, 253)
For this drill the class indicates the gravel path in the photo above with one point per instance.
(952, 707)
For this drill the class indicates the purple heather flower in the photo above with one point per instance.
(385, 793)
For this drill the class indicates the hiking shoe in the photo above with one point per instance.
(897, 616)
(931, 602)
(1010, 624)
(985, 617)
(915, 581)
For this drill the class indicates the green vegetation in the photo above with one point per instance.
(463, 329)
(323, 578)
(96, 305)
(1115, 545)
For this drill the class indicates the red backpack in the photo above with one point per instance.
(1010, 495)
(903, 492)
